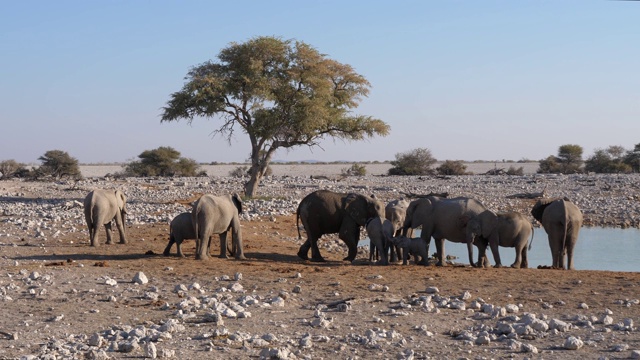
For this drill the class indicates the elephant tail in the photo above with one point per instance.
(531, 240)
(566, 228)
(297, 222)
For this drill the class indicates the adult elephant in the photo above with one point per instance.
(442, 218)
(396, 211)
(217, 215)
(100, 208)
(561, 220)
(327, 212)
(510, 229)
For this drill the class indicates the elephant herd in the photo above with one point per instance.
(210, 215)
(462, 220)
(389, 226)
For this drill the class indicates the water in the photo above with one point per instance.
(597, 249)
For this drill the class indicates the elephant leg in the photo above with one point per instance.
(518, 262)
(107, 228)
(525, 261)
(202, 246)
(405, 256)
(315, 252)
(179, 247)
(223, 245)
(570, 248)
(236, 239)
(493, 243)
(440, 252)
(303, 252)
(120, 226)
(353, 251)
(93, 235)
(167, 250)
(394, 253)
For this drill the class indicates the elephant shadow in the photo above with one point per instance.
(84, 257)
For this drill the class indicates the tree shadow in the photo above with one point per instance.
(85, 257)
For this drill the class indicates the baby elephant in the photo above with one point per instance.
(416, 246)
(380, 232)
(180, 228)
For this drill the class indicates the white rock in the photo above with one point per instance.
(150, 350)
(432, 290)
(111, 282)
(140, 278)
(573, 343)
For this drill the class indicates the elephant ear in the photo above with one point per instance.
(237, 201)
(122, 201)
(356, 207)
(463, 220)
(489, 223)
(539, 207)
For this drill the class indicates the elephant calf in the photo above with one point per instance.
(380, 232)
(101, 207)
(415, 246)
(180, 228)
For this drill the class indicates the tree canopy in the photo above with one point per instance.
(281, 93)
(568, 161)
(414, 162)
(163, 161)
(58, 164)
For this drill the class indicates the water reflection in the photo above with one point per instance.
(597, 249)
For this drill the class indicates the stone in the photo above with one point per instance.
(140, 278)
(573, 343)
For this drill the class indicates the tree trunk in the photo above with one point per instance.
(251, 186)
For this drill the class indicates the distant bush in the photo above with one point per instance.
(512, 170)
(632, 158)
(568, 161)
(414, 162)
(57, 164)
(163, 161)
(610, 160)
(355, 170)
(11, 168)
(452, 167)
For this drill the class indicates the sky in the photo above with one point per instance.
(469, 80)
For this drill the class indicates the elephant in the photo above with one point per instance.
(217, 215)
(442, 218)
(100, 208)
(395, 212)
(414, 246)
(327, 212)
(380, 232)
(180, 228)
(510, 229)
(561, 220)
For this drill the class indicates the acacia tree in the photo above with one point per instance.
(281, 93)
(568, 161)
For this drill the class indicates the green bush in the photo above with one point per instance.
(58, 164)
(414, 162)
(452, 167)
(355, 170)
(568, 161)
(607, 161)
(163, 161)
(11, 168)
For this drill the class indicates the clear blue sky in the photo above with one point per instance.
(470, 80)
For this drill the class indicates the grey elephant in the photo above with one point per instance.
(380, 232)
(510, 229)
(442, 218)
(396, 211)
(412, 246)
(181, 228)
(327, 212)
(561, 220)
(100, 208)
(217, 215)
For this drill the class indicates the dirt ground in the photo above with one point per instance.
(77, 301)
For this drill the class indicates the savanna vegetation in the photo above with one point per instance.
(281, 93)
